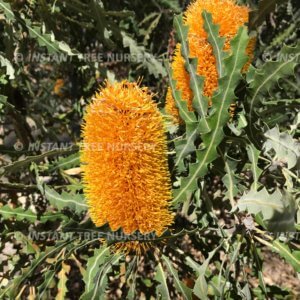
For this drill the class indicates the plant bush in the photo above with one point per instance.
(233, 158)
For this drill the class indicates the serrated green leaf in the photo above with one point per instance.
(201, 288)
(99, 257)
(64, 163)
(6, 8)
(153, 24)
(215, 40)
(173, 4)
(230, 180)
(72, 201)
(162, 290)
(20, 214)
(101, 284)
(185, 146)
(253, 155)
(48, 278)
(292, 257)
(36, 32)
(287, 149)
(95, 278)
(48, 40)
(65, 200)
(181, 288)
(98, 12)
(277, 209)
(13, 289)
(255, 202)
(17, 165)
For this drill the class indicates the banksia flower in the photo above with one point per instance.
(124, 158)
(230, 17)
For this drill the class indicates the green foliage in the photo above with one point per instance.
(217, 119)
(278, 210)
(252, 151)
(75, 202)
(253, 155)
(235, 178)
(96, 272)
(265, 7)
(37, 33)
(65, 163)
(16, 166)
(182, 289)
(142, 56)
(201, 288)
(287, 150)
(20, 214)
(230, 180)
(264, 79)
(162, 289)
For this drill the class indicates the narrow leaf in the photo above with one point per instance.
(162, 289)
(181, 288)
(215, 40)
(253, 155)
(200, 102)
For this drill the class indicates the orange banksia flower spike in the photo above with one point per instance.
(230, 17)
(124, 160)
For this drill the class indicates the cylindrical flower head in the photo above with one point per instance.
(124, 160)
(230, 17)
